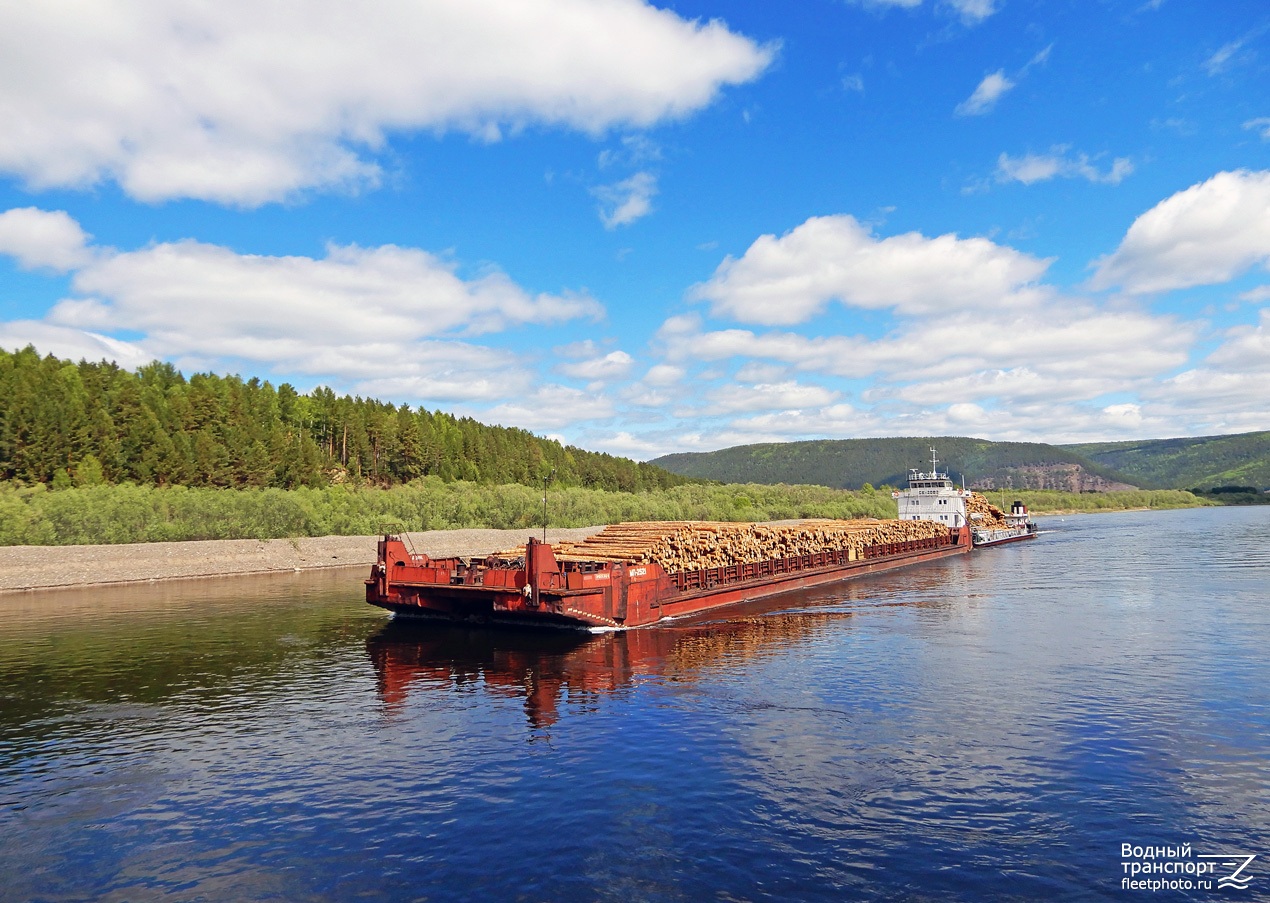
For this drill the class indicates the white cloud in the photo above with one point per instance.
(72, 344)
(388, 319)
(1226, 393)
(975, 343)
(436, 371)
(614, 365)
(626, 201)
(985, 96)
(1222, 56)
(1032, 168)
(189, 296)
(551, 407)
(789, 279)
(243, 103)
(1246, 350)
(41, 239)
(760, 372)
(627, 444)
(1063, 340)
(789, 395)
(972, 12)
(663, 375)
(1041, 58)
(1256, 295)
(853, 83)
(1207, 234)
(833, 421)
(634, 150)
(1231, 54)
(578, 350)
(1262, 125)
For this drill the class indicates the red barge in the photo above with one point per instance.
(611, 586)
(541, 589)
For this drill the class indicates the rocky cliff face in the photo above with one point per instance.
(1065, 477)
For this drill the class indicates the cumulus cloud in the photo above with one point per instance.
(192, 296)
(626, 201)
(1064, 340)
(1227, 391)
(72, 344)
(243, 103)
(976, 343)
(42, 239)
(1207, 234)
(1031, 168)
(662, 375)
(788, 395)
(551, 407)
(432, 370)
(982, 348)
(614, 365)
(985, 96)
(789, 279)
(972, 12)
(1246, 349)
(389, 318)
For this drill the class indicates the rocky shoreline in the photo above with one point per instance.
(32, 568)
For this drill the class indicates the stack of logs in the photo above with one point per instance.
(694, 545)
(991, 517)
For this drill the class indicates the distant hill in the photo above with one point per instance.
(850, 463)
(1242, 459)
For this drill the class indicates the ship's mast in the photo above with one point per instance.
(933, 462)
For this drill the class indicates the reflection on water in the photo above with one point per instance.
(545, 667)
(993, 727)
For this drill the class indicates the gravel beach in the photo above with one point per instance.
(27, 568)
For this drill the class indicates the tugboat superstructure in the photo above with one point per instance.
(932, 496)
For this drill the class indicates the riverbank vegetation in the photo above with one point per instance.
(36, 515)
(123, 513)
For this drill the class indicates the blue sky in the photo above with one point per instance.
(644, 228)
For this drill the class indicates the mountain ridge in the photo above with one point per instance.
(851, 463)
(1242, 459)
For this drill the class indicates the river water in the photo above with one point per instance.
(994, 727)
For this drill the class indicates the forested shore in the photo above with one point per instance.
(68, 424)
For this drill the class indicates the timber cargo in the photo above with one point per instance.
(635, 575)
